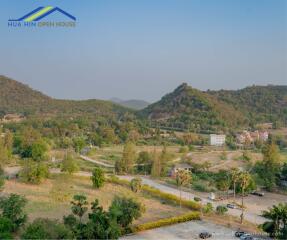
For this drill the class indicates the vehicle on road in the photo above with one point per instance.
(239, 233)
(260, 194)
(205, 235)
(230, 205)
(246, 236)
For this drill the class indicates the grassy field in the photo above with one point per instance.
(52, 198)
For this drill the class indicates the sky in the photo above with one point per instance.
(144, 49)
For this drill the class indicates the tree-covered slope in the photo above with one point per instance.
(16, 97)
(189, 108)
(258, 103)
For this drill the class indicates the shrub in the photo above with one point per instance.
(167, 221)
(12, 208)
(136, 184)
(126, 210)
(69, 164)
(98, 177)
(221, 210)
(34, 172)
(43, 228)
(197, 199)
(208, 208)
(6, 228)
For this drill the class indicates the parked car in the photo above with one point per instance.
(230, 205)
(205, 235)
(260, 194)
(246, 236)
(239, 233)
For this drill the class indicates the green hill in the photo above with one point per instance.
(258, 103)
(189, 108)
(16, 97)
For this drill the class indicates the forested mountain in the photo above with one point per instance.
(184, 108)
(16, 97)
(135, 104)
(196, 110)
(258, 103)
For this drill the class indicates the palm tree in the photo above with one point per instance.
(183, 177)
(244, 179)
(277, 227)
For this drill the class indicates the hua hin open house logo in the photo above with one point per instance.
(36, 18)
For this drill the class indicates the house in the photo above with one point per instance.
(180, 166)
(217, 140)
(12, 118)
(247, 137)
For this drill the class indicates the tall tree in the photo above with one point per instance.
(183, 178)
(234, 178)
(128, 158)
(244, 180)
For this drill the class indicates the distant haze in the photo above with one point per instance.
(143, 49)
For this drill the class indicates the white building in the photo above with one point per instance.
(217, 140)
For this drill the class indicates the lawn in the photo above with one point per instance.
(52, 198)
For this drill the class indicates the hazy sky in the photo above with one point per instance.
(145, 48)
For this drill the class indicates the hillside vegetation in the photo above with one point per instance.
(189, 108)
(16, 97)
(185, 108)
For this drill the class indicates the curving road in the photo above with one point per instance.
(251, 217)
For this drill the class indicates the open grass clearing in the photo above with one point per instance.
(52, 198)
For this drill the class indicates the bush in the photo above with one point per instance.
(197, 199)
(221, 210)
(126, 210)
(69, 165)
(6, 228)
(136, 184)
(98, 177)
(208, 208)
(12, 209)
(43, 228)
(167, 221)
(34, 172)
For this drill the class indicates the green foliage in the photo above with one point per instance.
(277, 226)
(6, 228)
(2, 178)
(33, 172)
(167, 221)
(43, 228)
(208, 208)
(144, 162)
(69, 164)
(126, 210)
(269, 168)
(12, 208)
(136, 184)
(79, 205)
(79, 143)
(102, 224)
(98, 177)
(126, 164)
(221, 210)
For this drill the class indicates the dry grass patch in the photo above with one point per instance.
(52, 198)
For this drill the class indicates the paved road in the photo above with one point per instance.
(251, 217)
(187, 230)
